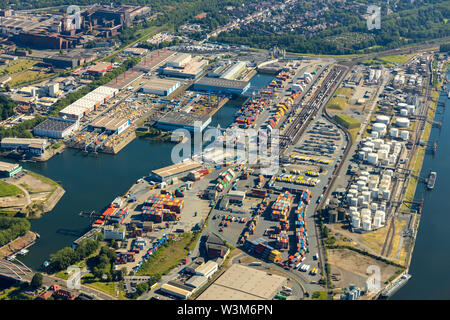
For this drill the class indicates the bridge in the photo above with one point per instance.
(15, 270)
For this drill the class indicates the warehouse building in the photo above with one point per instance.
(99, 69)
(174, 171)
(175, 291)
(182, 65)
(32, 145)
(9, 169)
(221, 85)
(110, 125)
(235, 196)
(56, 128)
(207, 269)
(88, 103)
(135, 51)
(197, 282)
(183, 120)
(234, 70)
(244, 283)
(161, 87)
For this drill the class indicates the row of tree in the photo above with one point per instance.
(11, 228)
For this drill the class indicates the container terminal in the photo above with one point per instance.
(349, 137)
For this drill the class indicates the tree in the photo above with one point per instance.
(141, 288)
(36, 282)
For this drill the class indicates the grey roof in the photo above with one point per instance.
(54, 125)
(225, 83)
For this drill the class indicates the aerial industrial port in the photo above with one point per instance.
(337, 203)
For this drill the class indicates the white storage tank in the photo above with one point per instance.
(385, 146)
(404, 135)
(360, 200)
(382, 215)
(375, 193)
(366, 195)
(372, 158)
(379, 127)
(361, 155)
(402, 122)
(402, 105)
(360, 184)
(373, 207)
(392, 159)
(404, 112)
(389, 173)
(367, 225)
(378, 143)
(352, 209)
(382, 119)
(365, 204)
(363, 178)
(365, 213)
(374, 134)
(369, 144)
(377, 222)
(382, 154)
(354, 201)
(356, 222)
(386, 194)
(365, 173)
(394, 133)
(366, 150)
(411, 108)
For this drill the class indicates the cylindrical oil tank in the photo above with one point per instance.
(404, 135)
(360, 184)
(375, 193)
(402, 122)
(381, 214)
(386, 194)
(354, 202)
(373, 206)
(365, 204)
(366, 225)
(382, 119)
(394, 133)
(374, 134)
(378, 127)
(377, 222)
(356, 222)
(403, 112)
(378, 143)
(372, 158)
(366, 195)
(352, 209)
(360, 200)
(361, 155)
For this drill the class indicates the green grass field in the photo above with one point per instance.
(168, 257)
(9, 190)
(347, 121)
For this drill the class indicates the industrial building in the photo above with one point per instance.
(175, 291)
(88, 103)
(221, 85)
(235, 196)
(32, 145)
(161, 87)
(182, 65)
(109, 232)
(207, 269)
(183, 120)
(215, 247)
(135, 51)
(197, 281)
(9, 169)
(174, 171)
(56, 128)
(110, 125)
(244, 283)
(99, 69)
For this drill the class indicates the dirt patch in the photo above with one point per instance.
(34, 185)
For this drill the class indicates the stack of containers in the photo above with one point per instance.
(198, 174)
(162, 206)
(281, 206)
(282, 240)
(224, 179)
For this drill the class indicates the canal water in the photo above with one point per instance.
(91, 182)
(431, 257)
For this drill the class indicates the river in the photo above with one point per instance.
(91, 182)
(431, 259)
